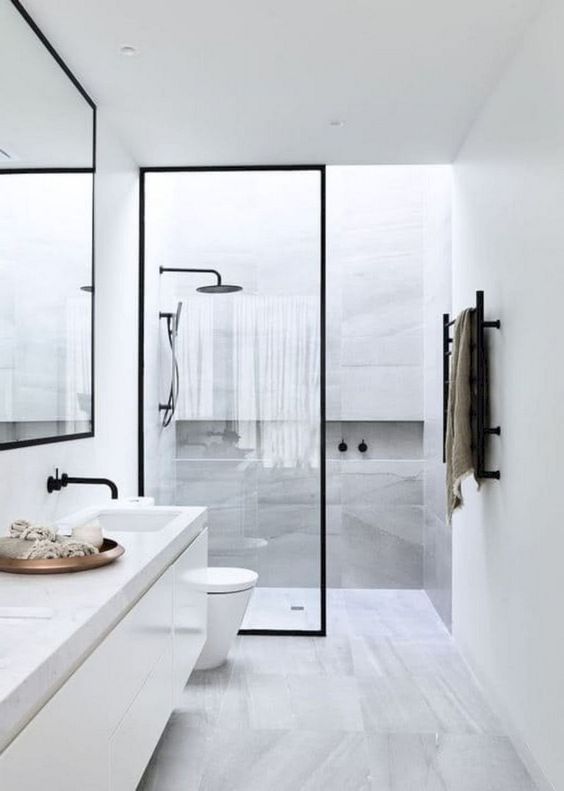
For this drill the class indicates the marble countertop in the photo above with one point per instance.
(72, 613)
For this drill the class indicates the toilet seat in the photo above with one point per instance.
(220, 579)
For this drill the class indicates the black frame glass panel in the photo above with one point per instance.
(321, 631)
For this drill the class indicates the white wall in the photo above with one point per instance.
(509, 538)
(113, 451)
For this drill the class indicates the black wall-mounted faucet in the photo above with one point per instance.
(56, 483)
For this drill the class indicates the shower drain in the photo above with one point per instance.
(297, 607)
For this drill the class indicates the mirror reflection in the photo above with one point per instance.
(46, 250)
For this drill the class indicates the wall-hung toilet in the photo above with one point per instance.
(229, 592)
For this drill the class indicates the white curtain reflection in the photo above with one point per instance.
(256, 361)
(78, 386)
(276, 358)
(195, 349)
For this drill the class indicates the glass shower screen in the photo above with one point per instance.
(246, 439)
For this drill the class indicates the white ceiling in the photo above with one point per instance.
(258, 81)
(44, 120)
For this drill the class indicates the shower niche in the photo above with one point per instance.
(241, 372)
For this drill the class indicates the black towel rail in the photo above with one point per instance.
(480, 387)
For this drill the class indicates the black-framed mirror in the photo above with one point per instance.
(47, 172)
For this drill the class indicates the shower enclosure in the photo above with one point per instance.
(232, 380)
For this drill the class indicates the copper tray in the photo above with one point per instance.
(109, 552)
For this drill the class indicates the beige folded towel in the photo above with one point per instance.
(29, 531)
(63, 548)
(29, 541)
(14, 548)
(458, 451)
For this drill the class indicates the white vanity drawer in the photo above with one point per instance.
(133, 742)
(133, 648)
(190, 610)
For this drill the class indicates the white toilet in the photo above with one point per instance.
(229, 592)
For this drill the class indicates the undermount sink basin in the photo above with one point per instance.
(134, 520)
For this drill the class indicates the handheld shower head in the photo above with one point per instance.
(178, 312)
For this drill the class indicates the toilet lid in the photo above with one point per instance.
(217, 579)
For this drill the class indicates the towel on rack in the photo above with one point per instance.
(459, 452)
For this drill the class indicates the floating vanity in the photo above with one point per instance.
(91, 663)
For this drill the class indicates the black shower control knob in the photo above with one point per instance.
(363, 447)
(343, 446)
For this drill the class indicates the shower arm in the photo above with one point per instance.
(182, 269)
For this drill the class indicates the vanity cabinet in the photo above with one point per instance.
(97, 733)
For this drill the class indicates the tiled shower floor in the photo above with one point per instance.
(284, 608)
(384, 703)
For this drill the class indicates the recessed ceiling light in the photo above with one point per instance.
(128, 51)
(337, 122)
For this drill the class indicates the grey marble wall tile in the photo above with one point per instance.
(215, 483)
(291, 560)
(373, 557)
(402, 521)
(375, 535)
(435, 487)
(380, 483)
(275, 521)
(437, 563)
(366, 556)
(382, 393)
(288, 486)
(334, 520)
(399, 343)
(333, 483)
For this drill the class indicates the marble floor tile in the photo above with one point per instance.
(203, 697)
(326, 703)
(180, 758)
(276, 655)
(288, 761)
(256, 701)
(383, 703)
(405, 762)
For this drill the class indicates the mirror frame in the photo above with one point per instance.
(43, 41)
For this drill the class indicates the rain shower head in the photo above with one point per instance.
(220, 288)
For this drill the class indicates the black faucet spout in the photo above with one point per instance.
(56, 483)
